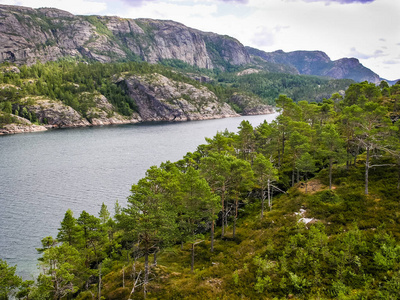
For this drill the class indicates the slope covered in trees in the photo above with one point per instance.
(26, 92)
(305, 207)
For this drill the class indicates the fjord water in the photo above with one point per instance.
(44, 174)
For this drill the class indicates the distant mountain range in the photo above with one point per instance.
(46, 34)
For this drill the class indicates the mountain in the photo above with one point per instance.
(319, 64)
(47, 34)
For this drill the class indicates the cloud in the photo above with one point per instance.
(263, 37)
(391, 62)
(279, 28)
(342, 1)
(236, 1)
(360, 55)
(80, 7)
(136, 2)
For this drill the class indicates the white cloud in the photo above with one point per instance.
(172, 11)
(81, 7)
(377, 53)
(392, 62)
(263, 37)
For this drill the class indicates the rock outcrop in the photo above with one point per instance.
(250, 105)
(23, 125)
(159, 98)
(103, 114)
(47, 34)
(55, 114)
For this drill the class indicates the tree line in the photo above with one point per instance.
(202, 196)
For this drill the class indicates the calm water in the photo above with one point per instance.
(44, 174)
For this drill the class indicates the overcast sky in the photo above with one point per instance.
(366, 29)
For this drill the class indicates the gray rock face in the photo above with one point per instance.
(56, 114)
(249, 105)
(103, 114)
(46, 34)
(161, 99)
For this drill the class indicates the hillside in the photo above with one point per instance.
(47, 34)
(303, 208)
(69, 94)
(319, 64)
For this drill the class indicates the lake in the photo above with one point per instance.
(45, 173)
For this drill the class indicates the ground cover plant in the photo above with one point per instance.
(306, 207)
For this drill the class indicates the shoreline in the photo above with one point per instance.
(13, 128)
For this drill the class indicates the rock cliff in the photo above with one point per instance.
(55, 114)
(46, 34)
(249, 105)
(159, 98)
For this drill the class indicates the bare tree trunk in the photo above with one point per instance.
(155, 259)
(366, 172)
(293, 174)
(212, 236)
(262, 202)
(134, 285)
(269, 196)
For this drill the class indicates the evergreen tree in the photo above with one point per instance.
(68, 232)
(9, 281)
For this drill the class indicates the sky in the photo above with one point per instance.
(365, 29)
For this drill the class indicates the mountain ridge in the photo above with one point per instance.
(48, 34)
(318, 63)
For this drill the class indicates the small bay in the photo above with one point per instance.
(43, 174)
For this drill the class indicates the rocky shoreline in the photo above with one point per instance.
(14, 128)
(157, 98)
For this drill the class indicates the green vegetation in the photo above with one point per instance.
(200, 217)
(77, 83)
(73, 83)
(268, 86)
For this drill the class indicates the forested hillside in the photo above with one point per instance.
(72, 94)
(305, 207)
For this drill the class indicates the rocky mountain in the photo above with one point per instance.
(46, 34)
(318, 63)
